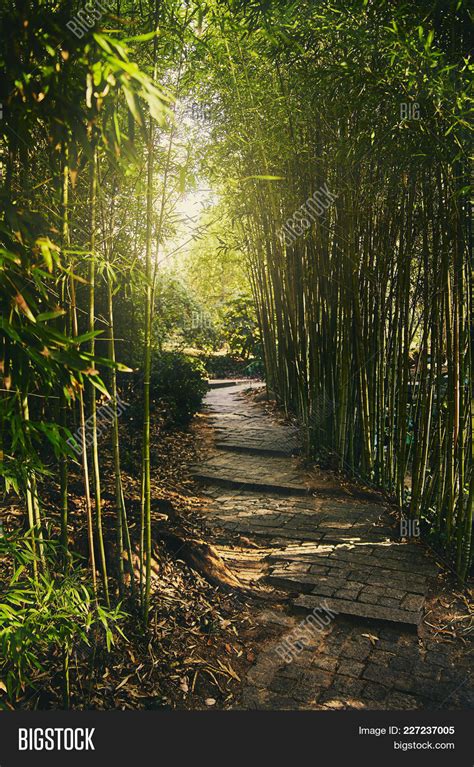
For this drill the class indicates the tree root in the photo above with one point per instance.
(196, 553)
(203, 558)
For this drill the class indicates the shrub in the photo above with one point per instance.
(45, 619)
(178, 386)
(255, 368)
(224, 366)
(241, 330)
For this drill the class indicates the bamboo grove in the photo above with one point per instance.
(366, 308)
(80, 121)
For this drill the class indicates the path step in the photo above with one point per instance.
(406, 560)
(317, 535)
(386, 582)
(251, 435)
(242, 447)
(303, 518)
(330, 581)
(274, 474)
(221, 383)
(359, 609)
(215, 478)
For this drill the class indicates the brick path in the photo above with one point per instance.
(330, 547)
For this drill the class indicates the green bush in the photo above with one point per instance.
(224, 366)
(230, 366)
(240, 328)
(45, 618)
(178, 386)
(255, 368)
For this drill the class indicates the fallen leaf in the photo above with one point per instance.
(123, 682)
(373, 639)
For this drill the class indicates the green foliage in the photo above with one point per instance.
(60, 95)
(181, 320)
(224, 365)
(178, 385)
(44, 620)
(255, 368)
(215, 267)
(75, 114)
(240, 328)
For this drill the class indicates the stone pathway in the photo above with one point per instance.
(359, 665)
(333, 550)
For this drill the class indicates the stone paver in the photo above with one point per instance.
(311, 518)
(245, 426)
(384, 581)
(357, 667)
(274, 473)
